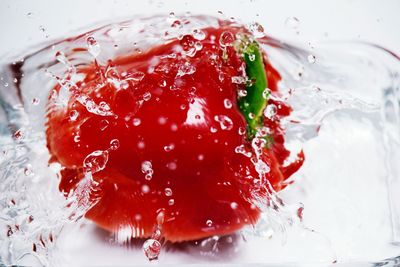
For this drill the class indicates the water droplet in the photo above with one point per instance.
(152, 249)
(213, 130)
(200, 157)
(238, 80)
(251, 115)
(242, 130)
(172, 166)
(145, 189)
(198, 34)
(102, 109)
(171, 202)
(270, 111)
(227, 104)
(162, 120)
(198, 46)
(261, 167)
(43, 30)
(136, 76)
(93, 46)
(169, 147)
(141, 145)
(176, 24)
(224, 121)
(104, 124)
(95, 161)
(114, 144)
(226, 39)
(28, 171)
(252, 57)
(311, 59)
(187, 42)
(242, 150)
(292, 23)
(136, 121)
(186, 69)
(242, 93)
(266, 93)
(147, 96)
(77, 138)
(234, 205)
(257, 30)
(73, 115)
(29, 14)
(168, 192)
(18, 135)
(35, 101)
(147, 170)
(209, 223)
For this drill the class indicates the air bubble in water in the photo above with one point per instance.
(209, 223)
(257, 29)
(95, 161)
(226, 39)
(92, 46)
(152, 249)
(147, 170)
(114, 144)
(224, 121)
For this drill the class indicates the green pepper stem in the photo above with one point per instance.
(253, 104)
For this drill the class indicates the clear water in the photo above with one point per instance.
(342, 207)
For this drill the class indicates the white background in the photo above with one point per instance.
(26, 23)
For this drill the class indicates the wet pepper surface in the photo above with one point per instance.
(170, 138)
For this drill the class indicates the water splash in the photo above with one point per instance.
(318, 87)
